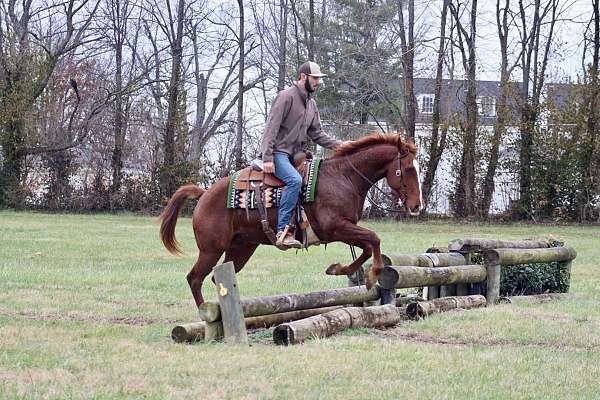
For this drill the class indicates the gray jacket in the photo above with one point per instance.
(294, 118)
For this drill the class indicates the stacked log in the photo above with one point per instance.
(259, 306)
(195, 331)
(422, 309)
(334, 321)
(406, 277)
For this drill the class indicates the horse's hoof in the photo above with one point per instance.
(334, 269)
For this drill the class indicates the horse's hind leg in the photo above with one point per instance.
(204, 265)
(239, 253)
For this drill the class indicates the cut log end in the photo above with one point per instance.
(283, 335)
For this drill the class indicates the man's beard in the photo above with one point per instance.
(307, 86)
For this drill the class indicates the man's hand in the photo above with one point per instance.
(269, 167)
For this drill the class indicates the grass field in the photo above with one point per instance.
(87, 304)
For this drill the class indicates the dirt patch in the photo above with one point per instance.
(400, 333)
(76, 317)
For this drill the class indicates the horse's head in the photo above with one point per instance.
(403, 177)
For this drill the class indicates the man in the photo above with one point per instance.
(293, 119)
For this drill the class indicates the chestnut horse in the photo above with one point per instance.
(342, 186)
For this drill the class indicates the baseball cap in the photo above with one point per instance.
(312, 69)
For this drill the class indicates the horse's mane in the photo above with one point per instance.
(374, 139)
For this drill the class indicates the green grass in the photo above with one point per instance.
(87, 304)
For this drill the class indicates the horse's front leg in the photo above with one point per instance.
(349, 233)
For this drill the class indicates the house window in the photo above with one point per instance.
(426, 103)
(486, 106)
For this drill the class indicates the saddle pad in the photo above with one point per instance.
(237, 198)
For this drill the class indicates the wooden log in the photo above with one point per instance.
(194, 331)
(418, 260)
(423, 309)
(474, 244)
(528, 256)
(293, 302)
(327, 324)
(437, 249)
(446, 259)
(536, 298)
(406, 277)
(190, 333)
(232, 315)
(267, 321)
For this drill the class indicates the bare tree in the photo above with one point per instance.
(464, 196)
(438, 140)
(503, 112)
(408, 57)
(535, 50)
(240, 101)
(590, 157)
(28, 57)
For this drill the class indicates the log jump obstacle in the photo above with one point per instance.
(322, 313)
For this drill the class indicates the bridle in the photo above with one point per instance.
(398, 173)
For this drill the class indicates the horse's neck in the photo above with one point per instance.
(371, 163)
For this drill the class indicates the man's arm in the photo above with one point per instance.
(318, 136)
(279, 109)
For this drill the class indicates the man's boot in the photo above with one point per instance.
(286, 240)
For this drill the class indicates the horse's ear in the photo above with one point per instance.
(399, 142)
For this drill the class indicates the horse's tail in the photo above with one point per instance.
(171, 212)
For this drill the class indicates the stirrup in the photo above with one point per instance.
(285, 240)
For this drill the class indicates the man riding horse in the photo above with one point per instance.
(344, 180)
(293, 119)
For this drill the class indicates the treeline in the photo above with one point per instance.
(112, 104)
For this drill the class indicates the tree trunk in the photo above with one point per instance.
(408, 56)
(464, 197)
(503, 112)
(240, 104)
(117, 156)
(281, 72)
(13, 158)
(437, 143)
(168, 178)
(311, 30)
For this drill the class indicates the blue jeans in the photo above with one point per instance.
(285, 171)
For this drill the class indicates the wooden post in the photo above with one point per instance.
(213, 331)
(444, 260)
(232, 315)
(493, 283)
(388, 296)
(462, 289)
